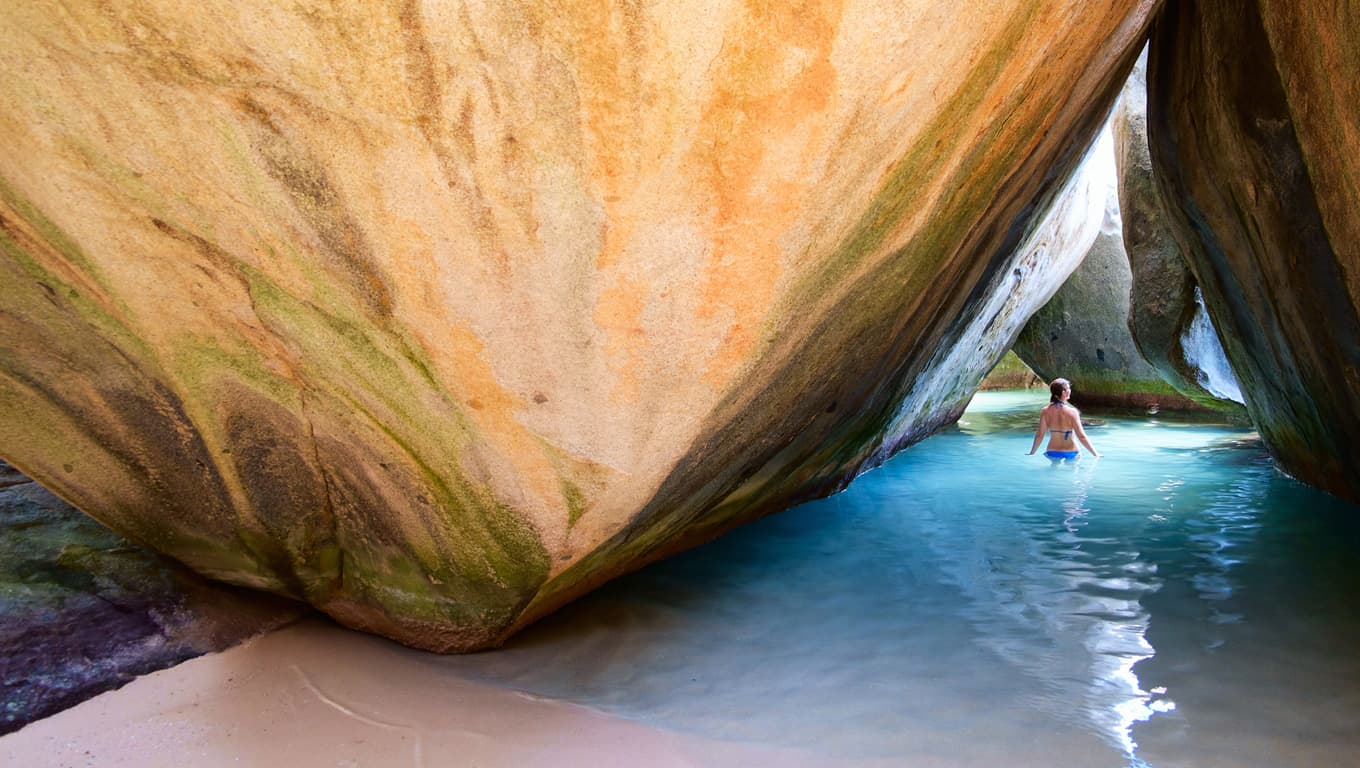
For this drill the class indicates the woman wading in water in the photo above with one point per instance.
(1061, 421)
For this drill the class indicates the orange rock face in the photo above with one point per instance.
(438, 315)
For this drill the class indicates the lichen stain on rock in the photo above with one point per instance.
(321, 205)
(136, 421)
(284, 487)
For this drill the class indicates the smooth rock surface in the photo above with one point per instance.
(439, 316)
(1254, 122)
(1038, 268)
(1082, 334)
(83, 611)
(1167, 316)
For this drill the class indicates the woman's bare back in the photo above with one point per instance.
(1061, 422)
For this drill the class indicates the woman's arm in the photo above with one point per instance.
(1039, 433)
(1081, 435)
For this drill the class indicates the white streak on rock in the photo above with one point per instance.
(1037, 269)
(1203, 349)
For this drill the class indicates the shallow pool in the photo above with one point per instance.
(1178, 602)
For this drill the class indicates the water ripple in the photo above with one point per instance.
(966, 597)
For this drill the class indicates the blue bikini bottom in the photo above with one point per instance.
(1061, 454)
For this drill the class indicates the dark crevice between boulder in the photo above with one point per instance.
(84, 611)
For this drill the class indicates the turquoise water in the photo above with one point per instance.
(1176, 602)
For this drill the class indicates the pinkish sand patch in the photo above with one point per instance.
(316, 695)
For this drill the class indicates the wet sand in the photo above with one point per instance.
(314, 694)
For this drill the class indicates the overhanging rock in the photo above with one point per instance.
(438, 316)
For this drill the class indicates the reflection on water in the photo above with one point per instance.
(1061, 604)
(1177, 602)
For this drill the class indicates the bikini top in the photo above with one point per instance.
(1067, 433)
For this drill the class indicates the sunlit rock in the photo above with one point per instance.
(1253, 109)
(1167, 317)
(1011, 373)
(437, 316)
(1083, 333)
(1029, 278)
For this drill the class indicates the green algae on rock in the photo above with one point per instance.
(1011, 373)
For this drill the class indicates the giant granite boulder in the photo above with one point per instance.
(1167, 315)
(1253, 115)
(1083, 333)
(439, 315)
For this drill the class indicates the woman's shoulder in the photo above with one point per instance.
(1061, 411)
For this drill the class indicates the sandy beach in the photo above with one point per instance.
(314, 694)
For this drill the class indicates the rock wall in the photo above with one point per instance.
(1167, 316)
(1082, 334)
(84, 611)
(437, 316)
(1029, 277)
(1011, 373)
(1253, 115)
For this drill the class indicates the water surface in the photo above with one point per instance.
(1178, 602)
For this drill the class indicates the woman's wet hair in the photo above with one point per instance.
(1056, 389)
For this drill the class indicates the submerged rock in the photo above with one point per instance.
(1252, 117)
(83, 611)
(1167, 317)
(438, 317)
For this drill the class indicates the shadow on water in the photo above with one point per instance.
(1178, 602)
